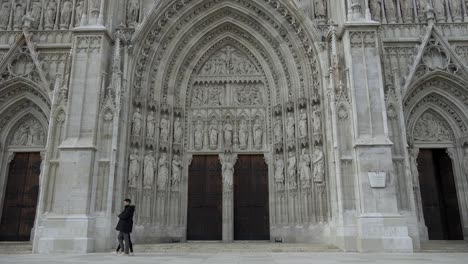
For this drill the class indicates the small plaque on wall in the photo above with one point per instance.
(377, 179)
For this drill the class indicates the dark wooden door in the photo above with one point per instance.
(251, 210)
(204, 217)
(439, 196)
(19, 207)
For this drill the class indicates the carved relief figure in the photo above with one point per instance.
(163, 172)
(305, 168)
(439, 10)
(133, 9)
(149, 166)
(456, 10)
(319, 165)
(213, 134)
(65, 15)
(78, 12)
(290, 126)
(176, 171)
(177, 130)
(390, 11)
(243, 134)
(164, 126)
(228, 61)
(430, 128)
(133, 169)
(50, 14)
(20, 8)
(406, 10)
(375, 7)
(278, 129)
(279, 170)
(228, 130)
(465, 161)
(258, 133)
(136, 122)
(292, 169)
(4, 14)
(317, 122)
(320, 9)
(150, 124)
(198, 137)
(30, 133)
(303, 123)
(36, 11)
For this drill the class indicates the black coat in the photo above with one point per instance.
(125, 223)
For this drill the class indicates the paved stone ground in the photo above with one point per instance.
(242, 258)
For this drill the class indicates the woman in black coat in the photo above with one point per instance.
(125, 226)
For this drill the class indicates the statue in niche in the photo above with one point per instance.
(4, 14)
(279, 170)
(320, 7)
(390, 11)
(150, 124)
(243, 134)
(136, 122)
(317, 122)
(429, 128)
(164, 128)
(319, 166)
(176, 171)
(304, 165)
(465, 161)
(278, 130)
(228, 131)
(375, 7)
(258, 133)
(133, 9)
(439, 10)
(213, 133)
(406, 10)
(421, 8)
(456, 10)
(149, 166)
(20, 8)
(36, 11)
(290, 126)
(50, 14)
(133, 168)
(292, 169)
(199, 134)
(163, 172)
(78, 12)
(66, 13)
(177, 130)
(303, 123)
(228, 172)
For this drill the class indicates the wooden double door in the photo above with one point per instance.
(205, 199)
(439, 195)
(19, 206)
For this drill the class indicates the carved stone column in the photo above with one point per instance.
(228, 161)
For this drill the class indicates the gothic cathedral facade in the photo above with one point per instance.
(341, 122)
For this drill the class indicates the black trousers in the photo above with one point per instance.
(124, 237)
(130, 244)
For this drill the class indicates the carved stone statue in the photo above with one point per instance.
(198, 137)
(422, 5)
(317, 122)
(4, 14)
(150, 124)
(465, 161)
(375, 7)
(133, 168)
(36, 11)
(292, 169)
(228, 172)
(319, 166)
(213, 134)
(50, 14)
(456, 10)
(390, 11)
(320, 7)
(290, 126)
(136, 122)
(406, 10)
(163, 172)
(279, 170)
(164, 128)
(304, 165)
(176, 171)
(20, 10)
(303, 123)
(278, 130)
(243, 134)
(78, 12)
(149, 166)
(439, 10)
(178, 132)
(228, 131)
(66, 13)
(133, 9)
(258, 133)
(430, 128)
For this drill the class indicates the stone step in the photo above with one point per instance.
(15, 248)
(444, 246)
(210, 247)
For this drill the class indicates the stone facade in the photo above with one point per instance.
(118, 95)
